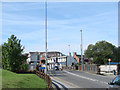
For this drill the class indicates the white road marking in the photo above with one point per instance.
(85, 77)
(63, 82)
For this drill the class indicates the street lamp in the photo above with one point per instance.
(81, 52)
(69, 49)
(45, 36)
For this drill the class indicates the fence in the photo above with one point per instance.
(45, 77)
(93, 68)
(68, 68)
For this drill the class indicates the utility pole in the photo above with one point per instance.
(81, 53)
(69, 49)
(46, 36)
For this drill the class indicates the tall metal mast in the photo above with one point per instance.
(81, 53)
(46, 36)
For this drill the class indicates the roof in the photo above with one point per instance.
(79, 56)
(47, 52)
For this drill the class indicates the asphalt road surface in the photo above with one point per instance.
(77, 79)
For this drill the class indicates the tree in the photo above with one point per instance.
(101, 52)
(0, 56)
(12, 57)
(88, 52)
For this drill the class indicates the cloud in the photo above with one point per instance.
(61, 31)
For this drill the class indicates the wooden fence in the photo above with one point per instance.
(93, 68)
(45, 77)
(68, 68)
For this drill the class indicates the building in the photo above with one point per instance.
(61, 61)
(53, 59)
(33, 58)
(39, 57)
(78, 58)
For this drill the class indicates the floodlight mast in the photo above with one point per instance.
(81, 53)
(45, 36)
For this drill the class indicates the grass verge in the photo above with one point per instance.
(13, 80)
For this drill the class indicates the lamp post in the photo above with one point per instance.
(45, 36)
(81, 52)
(69, 49)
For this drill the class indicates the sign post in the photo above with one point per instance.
(109, 64)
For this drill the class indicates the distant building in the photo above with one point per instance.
(71, 60)
(33, 58)
(39, 57)
(78, 58)
(53, 59)
(61, 61)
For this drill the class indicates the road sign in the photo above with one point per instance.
(109, 59)
(109, 64)
(41, 67)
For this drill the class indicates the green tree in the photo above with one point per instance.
(12, 57)
(0, 56)
(119, 53)
(88, 53)
(101, 52)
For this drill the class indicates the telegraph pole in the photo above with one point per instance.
(45, 36)
(81, 53)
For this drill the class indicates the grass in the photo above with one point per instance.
(13, 80)
(0, 79)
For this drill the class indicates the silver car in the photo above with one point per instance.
(115, 84)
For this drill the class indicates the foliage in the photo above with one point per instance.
(0, 56)
(24, 67)
(89, 50)
(101, 52)
(12, 58)
(13, 80)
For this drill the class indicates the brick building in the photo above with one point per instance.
(78, 58)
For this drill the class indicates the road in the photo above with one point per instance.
(78, 79)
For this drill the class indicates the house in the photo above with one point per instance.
(61, 61)
(78, 58)
(53, 58)
(33, 58)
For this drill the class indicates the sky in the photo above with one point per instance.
(26, 20)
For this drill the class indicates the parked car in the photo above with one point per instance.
(56, 68)
(115, 84)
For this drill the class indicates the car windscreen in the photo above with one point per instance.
(116, 81)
